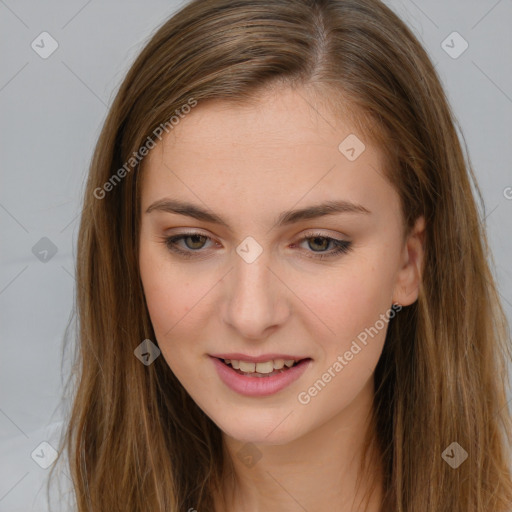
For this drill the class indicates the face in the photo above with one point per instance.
(230, 276)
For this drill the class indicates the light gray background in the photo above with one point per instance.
(51, 114)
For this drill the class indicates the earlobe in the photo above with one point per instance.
(410, 275)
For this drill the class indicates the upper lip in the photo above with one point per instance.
(257, 359)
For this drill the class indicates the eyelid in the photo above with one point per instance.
(324, 233)
(308, 233)
(341, 246)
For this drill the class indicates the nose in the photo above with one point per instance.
(256, 299)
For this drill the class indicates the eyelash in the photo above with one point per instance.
(341, 246)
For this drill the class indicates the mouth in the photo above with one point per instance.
(261, 369)
(259, 375)
(259, 378)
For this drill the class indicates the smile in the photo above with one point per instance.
(265, 368)
(261, 378)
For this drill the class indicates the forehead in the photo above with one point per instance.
(275, 117)
(283, 146)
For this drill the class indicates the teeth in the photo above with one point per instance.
(263, 367)
(267, 367)
(245, 366)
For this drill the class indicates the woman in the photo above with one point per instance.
(284, 296)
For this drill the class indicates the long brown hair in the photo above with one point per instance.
(136, 441)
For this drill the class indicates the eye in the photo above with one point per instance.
(321, 242)
(194, 242)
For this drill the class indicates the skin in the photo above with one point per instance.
(248, 164)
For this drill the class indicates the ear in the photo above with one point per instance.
(409, 276)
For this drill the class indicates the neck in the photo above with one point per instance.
(312, 472)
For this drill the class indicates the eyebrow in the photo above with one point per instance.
(285, 218)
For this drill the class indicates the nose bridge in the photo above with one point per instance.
(253, 293)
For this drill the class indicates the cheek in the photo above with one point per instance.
(350, 299)
(349, 357)
(355, 304)
(167, 300)
(177, 302)
(168, 294)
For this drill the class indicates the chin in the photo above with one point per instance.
(264, 431)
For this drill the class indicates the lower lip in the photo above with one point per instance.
(259, 386)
